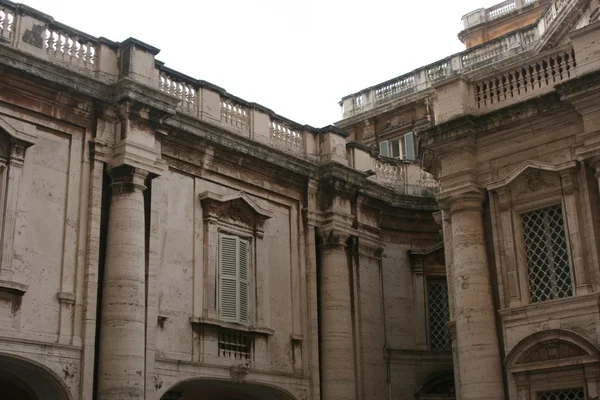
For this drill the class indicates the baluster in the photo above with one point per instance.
(5, 23)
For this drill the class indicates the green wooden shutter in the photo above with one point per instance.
(244, 271)
(384, 149)
(228, 293)
(409, 146)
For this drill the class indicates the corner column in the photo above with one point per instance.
(478, 352)
(337, 344)
(122, 334)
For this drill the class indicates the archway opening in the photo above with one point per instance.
(223, 390)
(22, 379)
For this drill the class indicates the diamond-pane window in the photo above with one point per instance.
(569, 394)
(547, 256)
(439, 315)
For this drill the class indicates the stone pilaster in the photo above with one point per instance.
(370, 300)
(122, 334)
(337, 343)
(478, 353)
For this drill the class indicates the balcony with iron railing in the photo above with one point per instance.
(524, 42)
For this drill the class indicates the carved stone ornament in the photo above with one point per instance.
(535, 182)
(236, 207)
(239, 372)
(554, 349)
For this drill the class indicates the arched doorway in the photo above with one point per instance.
(22, 379)
(224, 390)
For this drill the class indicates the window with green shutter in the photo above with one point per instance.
(234, 272)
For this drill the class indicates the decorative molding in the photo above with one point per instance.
(549, 350)
(199, 321)
(236, 207)
(530, 164)
(12, 287)
(239, 372)
(66, 298)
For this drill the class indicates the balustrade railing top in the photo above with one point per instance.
(36, 34)
(518, 41)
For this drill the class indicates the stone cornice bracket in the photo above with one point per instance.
(127, 179)
(239, 372)
(368, 247)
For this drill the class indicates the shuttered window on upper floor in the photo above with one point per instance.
(234, 270)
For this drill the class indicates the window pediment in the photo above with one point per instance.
(532, 176)
(554, 349)
(550, 349)
(431, 258)
(235, 208)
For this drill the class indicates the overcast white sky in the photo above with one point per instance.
(298, 58)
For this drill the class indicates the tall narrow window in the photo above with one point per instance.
(439, 314)
(233, 276)
(408, 146)
(547, 256)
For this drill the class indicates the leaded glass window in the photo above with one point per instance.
(439, 315)
(547, 256)
(569, 394)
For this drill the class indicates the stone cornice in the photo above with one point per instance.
(581, 86)
(55, 73)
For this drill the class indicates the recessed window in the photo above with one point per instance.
(402, 148)
(439, 315)
(547, 255)
(569, 394)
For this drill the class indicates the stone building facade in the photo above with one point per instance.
(163, 239)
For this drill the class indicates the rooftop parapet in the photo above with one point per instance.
(529, 39)
(92, 65)
(483, 15)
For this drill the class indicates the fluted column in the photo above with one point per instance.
(478, 352)
(337, 348)
(122, 333)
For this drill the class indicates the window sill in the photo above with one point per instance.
(199, 321)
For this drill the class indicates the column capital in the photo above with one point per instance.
(468, 201)
(332, 238)
(126, 179)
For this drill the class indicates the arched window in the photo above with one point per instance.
(554, 365)
(438, 386)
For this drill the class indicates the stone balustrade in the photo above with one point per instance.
(499, 10)
(401, 176)
(97, 59)
(529, 79)
(504, 47)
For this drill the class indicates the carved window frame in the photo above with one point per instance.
(234, 214)
(571, 362)
(531, 187)
(15, 137)
(427, 264)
